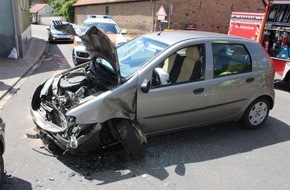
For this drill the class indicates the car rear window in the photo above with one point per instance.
(262, 57)
(230, 59)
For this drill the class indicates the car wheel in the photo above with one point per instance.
(287, 77)
(50, 40)
(256, 114)
(75, 62)
(1, 169)
(130, 139)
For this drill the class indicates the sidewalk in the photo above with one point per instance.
(12, 70)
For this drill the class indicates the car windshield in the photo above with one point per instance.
(108, 28)
(136, 53)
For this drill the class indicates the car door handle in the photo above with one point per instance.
(249, 80)
(198, 91)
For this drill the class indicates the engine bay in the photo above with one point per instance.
(73, 88)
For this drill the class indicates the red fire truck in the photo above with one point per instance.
(246, 24)
(271, 29)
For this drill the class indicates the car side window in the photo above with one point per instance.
(185, 65)
(229, 59)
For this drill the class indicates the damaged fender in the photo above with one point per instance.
(116, 103)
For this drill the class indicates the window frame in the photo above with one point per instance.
(202, 51)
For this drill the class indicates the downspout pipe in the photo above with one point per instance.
(15, 27)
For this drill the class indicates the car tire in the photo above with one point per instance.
(75, 61)
(1, 169)
(256, 114)
(286, 79)
(130, 139)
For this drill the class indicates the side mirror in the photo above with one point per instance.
(123, 31)
(145, 86)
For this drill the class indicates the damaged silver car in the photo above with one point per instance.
(157, 83)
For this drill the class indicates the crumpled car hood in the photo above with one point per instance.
(96, 42)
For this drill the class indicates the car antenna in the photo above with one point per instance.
(159, 33)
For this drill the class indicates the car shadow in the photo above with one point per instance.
(14, 183)
(177, 150)
(280, 85)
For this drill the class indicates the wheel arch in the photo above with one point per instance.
(269, 98)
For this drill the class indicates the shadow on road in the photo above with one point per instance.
(280, 85)
(176, 150)
(14, 183)
(54, 60)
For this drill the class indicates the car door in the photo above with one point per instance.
(179, 103)
(234, 81)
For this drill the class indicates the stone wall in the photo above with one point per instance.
(7, 38)
(140, 16)
(210, 15)
(136, 17)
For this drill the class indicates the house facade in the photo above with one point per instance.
(139, 16)
(15, 30)
(40, 10)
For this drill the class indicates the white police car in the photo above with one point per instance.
(106, 24)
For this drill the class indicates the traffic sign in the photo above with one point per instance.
(161, 11)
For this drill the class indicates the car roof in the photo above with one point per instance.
(172, 37)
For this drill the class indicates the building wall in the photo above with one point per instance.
(7, 39)
(140, 16)
(136, 17)
(209, 15)
(15, 27)
(46, 11)
(42, 15)
(23, 26)
(47, 20)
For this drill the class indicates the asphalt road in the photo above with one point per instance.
(224, 156)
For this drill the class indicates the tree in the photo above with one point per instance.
(63, 8)
(67, 10)
(57, 5)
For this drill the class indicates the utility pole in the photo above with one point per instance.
(169, 14)
(153, 14)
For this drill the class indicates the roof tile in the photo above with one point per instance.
(87, 2)
(37, 7)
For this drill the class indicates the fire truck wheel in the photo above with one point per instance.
(287, 77)
(256, 114)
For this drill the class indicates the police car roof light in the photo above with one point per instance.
(100, 16)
